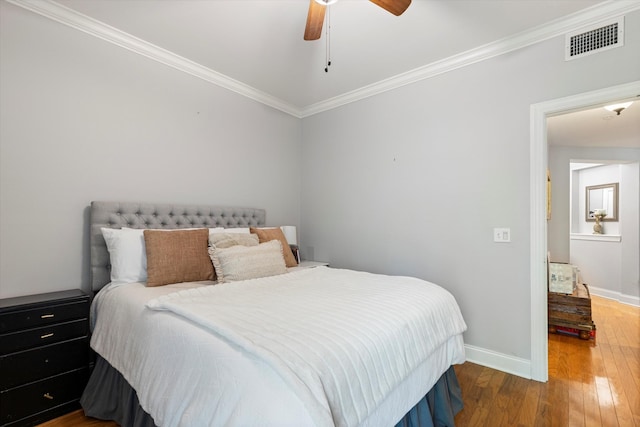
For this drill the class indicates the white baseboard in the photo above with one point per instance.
(502, 362)
(616, 296)
(522, 367)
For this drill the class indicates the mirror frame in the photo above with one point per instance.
(609, 217)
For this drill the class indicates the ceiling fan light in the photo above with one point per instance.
(326, 2)
(618, 107)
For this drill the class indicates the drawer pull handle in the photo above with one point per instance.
(48, 396)
(46, 335)
(47, 316)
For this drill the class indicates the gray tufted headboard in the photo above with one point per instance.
(150, 215)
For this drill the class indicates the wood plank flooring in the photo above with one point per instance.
(591, 383)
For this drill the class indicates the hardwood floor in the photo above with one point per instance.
(77, 419)
(591, 383)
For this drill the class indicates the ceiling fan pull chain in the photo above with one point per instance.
(328, 41)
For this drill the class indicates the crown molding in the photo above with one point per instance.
(586, 17)
(64, 15)
(88, 25)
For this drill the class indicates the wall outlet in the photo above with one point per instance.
(502, 235)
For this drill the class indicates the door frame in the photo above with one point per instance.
(538, 150)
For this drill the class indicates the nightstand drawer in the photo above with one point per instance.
(30, 365)
(27, 319)
(24, 340)
(32, 398)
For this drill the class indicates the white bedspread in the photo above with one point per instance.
(342, 340)
(186, 374)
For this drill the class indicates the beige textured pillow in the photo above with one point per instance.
(177, 256)
(248, 262)
(226, 240)
(268, 234)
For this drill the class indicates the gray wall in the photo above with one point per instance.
(423, 174)
(411, 181)
(559, 158)
(83, 120)
(630, 271)
(624, 284)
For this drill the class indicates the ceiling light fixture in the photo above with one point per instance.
(617, 108)
(326, 2)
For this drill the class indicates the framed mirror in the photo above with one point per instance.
(603, 197)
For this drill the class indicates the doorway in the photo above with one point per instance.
(538, 211)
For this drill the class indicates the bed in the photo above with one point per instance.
(294, 347)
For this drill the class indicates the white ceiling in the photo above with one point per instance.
(596, 127)
(258, 44)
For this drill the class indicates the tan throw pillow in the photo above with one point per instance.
(177, 256)
(226, 240)
(248, 262)
(268, 234)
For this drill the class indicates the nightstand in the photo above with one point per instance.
(311, 264)
(44, 356)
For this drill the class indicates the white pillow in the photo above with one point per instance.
(127, 253)
(248, 262)
(244, 230)
(226, 240)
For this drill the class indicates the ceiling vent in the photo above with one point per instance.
(594, 39)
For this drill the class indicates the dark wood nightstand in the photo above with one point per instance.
(44, 356)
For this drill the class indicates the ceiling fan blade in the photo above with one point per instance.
(397, 7)
(315, 19)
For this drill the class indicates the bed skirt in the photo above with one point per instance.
(108, 396)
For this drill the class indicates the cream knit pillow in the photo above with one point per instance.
(248, 262)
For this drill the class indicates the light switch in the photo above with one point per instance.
(502, 235)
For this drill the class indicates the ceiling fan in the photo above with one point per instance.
(317, 9)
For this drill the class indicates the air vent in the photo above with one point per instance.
(594, 39)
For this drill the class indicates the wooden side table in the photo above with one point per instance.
(571, 312)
